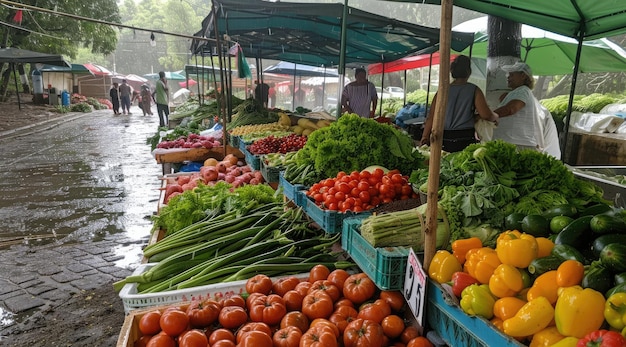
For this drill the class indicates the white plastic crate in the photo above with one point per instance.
(133, 301)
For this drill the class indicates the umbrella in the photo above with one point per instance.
(549, 53)
(98, 70)
(189, 83)
(286, 68)
(169, 75)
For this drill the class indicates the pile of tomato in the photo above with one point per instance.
(273, 144)
(360, 191)
(330, 309)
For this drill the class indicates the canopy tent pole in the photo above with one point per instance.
(382, 91)
(221, 112)
(342, 54)
(293, 90)
(324, 89)
(436, 136)
(17, 90)
(570, 102)
(404, 88)
(430, 70)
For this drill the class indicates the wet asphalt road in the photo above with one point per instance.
(77, 197)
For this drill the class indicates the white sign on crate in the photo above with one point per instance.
(415, 287)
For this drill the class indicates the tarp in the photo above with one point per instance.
(22, 56)
(287, 68)
(98, 70)
(573, 18)
(309, 33)
(169, 75)
(75, 69)
(406, 63)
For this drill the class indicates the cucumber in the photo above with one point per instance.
(614, 256)
(514, 221)
(575, 234)
(536, 225)
(544, 264)
(602, 241)
(607, 224)
(560, 210)
(620, 278)
(559, 222)
(619, 288)
(595, 209)
(597, 277)
(567, 252)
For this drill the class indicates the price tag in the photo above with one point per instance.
(415, 287)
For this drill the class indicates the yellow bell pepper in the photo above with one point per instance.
(615, 311)
(476, 300)
(533, 317)
(544, 246)
(544, 285)
(546, 337)
(579, 311)
(517, 249)
(505, 281)
(442, 266)
(480, 263)
(569, 341)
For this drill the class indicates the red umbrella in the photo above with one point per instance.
(189, 83)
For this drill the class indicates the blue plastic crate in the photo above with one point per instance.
(456, 327)
(270, 173)
(253, 160)
(330, 221)
(385, 265)
(291, 191)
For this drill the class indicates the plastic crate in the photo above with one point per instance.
(457, 328)
(330, 221)
(291, 191)
(253, 160)
(133, 301)
(233, 140)
(270, 173)
(386, 266)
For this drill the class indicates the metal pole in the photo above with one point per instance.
(342, 53)
(570, 103)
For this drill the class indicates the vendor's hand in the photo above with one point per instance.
(424, 141)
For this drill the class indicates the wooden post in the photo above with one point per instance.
(436, 135)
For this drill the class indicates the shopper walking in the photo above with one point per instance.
(125, 94)
(162, 99)
(114, 93)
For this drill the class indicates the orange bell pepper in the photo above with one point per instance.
(461, 246)
(480, 263)
(544, 246)
(517, 249)
(507, 307)
(544, 285)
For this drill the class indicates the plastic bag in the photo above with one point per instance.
(484, 129)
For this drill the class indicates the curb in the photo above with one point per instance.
(21, 131)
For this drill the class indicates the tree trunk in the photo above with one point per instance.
(504, 48)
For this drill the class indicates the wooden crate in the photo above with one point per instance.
(196, 154)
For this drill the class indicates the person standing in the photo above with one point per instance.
(464, 99)
(261, 93)
(162, 99)
(114, 93)
(360, 96)
(125, 93)
(271, 93)
(520, 113)
(145, 103)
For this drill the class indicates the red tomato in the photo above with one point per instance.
(378, 173)
(409, 333)
(303, 287)
(326, 322)
(233, 300)
(193, 338)
(365, 196)
(251, 298)
(364, 174)
(342, 316)
(398, 178)
(393, 326)
(328, 287)
(221, 334)
(375, 311)
(269, 309)
(358, 288)
(319, 336)
(161, 340)
(295, 319)
(293, 300)
(232, 317)
(317, 305)
(259, 284)
(394, 298)
(256, 339)
(419, 341)
(143, 341)
(203, 313)
(355, 175)
(285, 284)
(363, 333)
(318, 272)
(149, 323)
(224, 343)
(287, 337)
(338, 277)
(344, 302)
(363, 186)
(174, 322)
(252, 326)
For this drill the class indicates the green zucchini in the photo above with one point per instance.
(614, 256)
(567, 252)
(620, 278)
(560, 210)
(607, 224)
(576, 233)
(595, 209)
(600, 242)
(514, 221)
(544, 264)
(597, 277)
(536, 225)
(620, 288)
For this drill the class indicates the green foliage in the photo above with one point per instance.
(62, 109)
(582, 103)
(81, 107)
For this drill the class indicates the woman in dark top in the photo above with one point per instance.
(114, 93)
(464, 100)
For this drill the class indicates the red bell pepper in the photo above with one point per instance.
(602, 338)
(460, 280)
